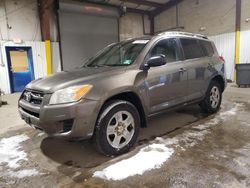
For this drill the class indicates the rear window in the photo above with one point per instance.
(207, 48)
(191, 48)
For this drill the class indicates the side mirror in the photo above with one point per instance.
(155, 61)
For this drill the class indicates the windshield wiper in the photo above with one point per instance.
(95, 66)
(108, 65)
(116, 65)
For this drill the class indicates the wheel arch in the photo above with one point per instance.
(219, 79)
(133, 98)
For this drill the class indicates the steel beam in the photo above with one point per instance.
(44, 14)
(145, 2)
(165, 7)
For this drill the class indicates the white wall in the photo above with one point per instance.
(245, 13)
(216, 16)
(19, 19)
(56, 59)
(166, 20)
(131, 25)
(225, 44)
(245, 47)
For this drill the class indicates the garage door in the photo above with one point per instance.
(84, 30)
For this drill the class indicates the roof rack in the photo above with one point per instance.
(182, 33)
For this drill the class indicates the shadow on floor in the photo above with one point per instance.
(82, 154)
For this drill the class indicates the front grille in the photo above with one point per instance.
(33, 97)
(31, 113)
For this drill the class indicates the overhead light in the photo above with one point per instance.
(247, 20)
(93, 8)
(202, 28)
(17, 41)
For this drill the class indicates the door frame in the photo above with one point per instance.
(28, 49)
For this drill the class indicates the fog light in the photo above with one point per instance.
(67, 125)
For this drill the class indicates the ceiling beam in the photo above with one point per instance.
(145, 2)
(131, 10)
(165, 7)
(44, 4)
(44, 15)
(138, 11)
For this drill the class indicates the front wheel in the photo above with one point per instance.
(117, 128)
(212, 101)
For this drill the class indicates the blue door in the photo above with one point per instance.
(20, 66)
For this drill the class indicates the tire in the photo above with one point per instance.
(117, 128)
(211, 103)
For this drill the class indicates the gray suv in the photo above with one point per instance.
(114, 93)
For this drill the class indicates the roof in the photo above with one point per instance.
(170, 33)
(181, 33)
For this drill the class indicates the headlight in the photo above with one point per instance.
(70, 94)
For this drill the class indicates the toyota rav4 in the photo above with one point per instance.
(112, 95)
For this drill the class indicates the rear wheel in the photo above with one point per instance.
(117, 128)
(212, 101)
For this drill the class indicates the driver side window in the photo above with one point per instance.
(167, 47)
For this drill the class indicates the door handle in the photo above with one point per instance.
(182, 70)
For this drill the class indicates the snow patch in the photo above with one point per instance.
(10, 150)
(185, 140)
(150, 157)
(245, 124)
(41, 134)
(24, 173)
(231, 112)
(154, 155)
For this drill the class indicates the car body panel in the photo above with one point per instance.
(158, 88)
(166, 86)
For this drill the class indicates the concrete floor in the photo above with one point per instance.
(219, 156)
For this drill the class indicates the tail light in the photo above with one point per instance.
(222, 59)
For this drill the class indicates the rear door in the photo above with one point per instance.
(166, 85)
(198, 65)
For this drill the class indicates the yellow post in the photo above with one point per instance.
(48, 56)
(237, 34)
(237, 50)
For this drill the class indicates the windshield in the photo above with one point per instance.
(119, 54)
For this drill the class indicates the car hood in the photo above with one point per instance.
(65, 79)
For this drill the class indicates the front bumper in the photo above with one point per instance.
(70, 121)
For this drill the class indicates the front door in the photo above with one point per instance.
(167, 85)
(20, 67)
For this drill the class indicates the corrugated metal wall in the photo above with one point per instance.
(55, 52)
(225, 44)
(39, 61)
(245, 47)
